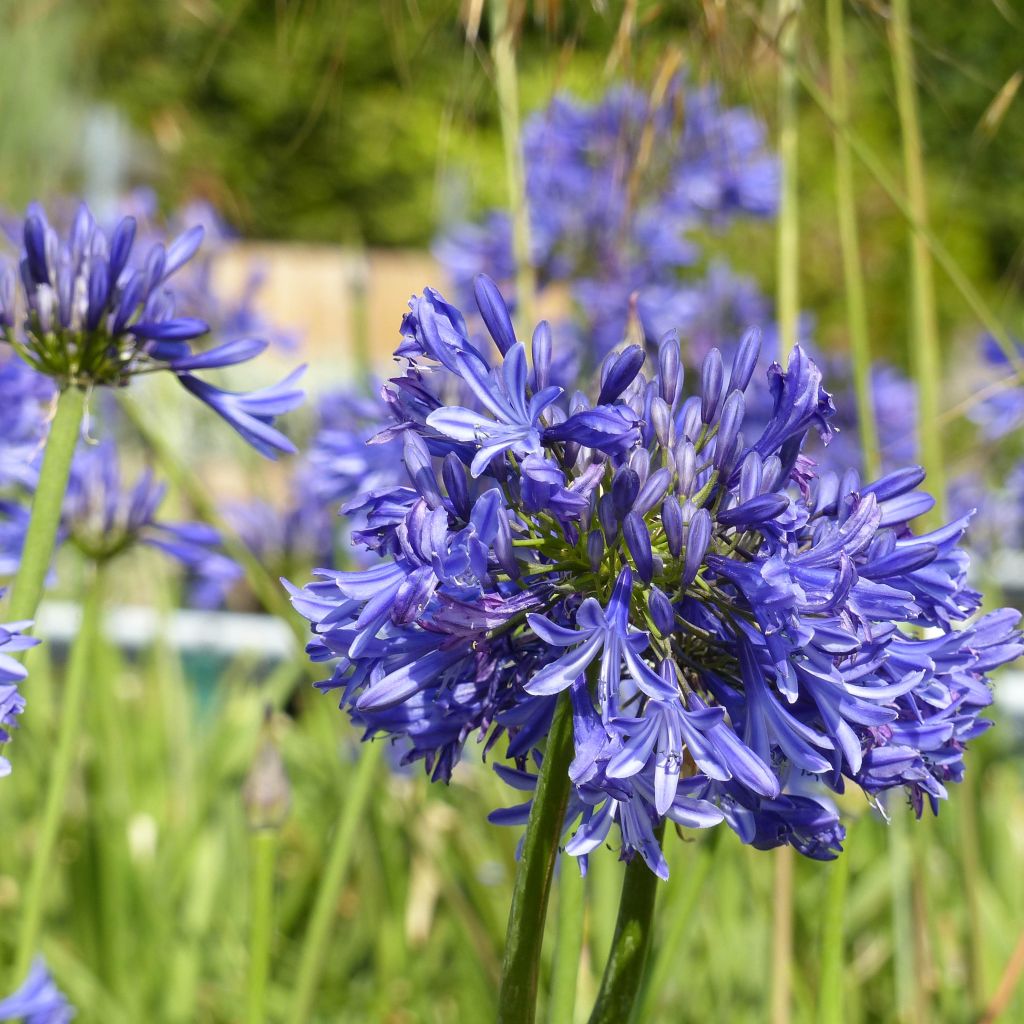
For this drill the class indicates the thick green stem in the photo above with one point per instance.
(517, 1001)
(624, 972)
(263, 858)
(846, 211)
(507, 86)
(924, 349)
(832, 946)
(314, 948)
(788, 293)
(568, 943)
(42, 871)
(47, 503)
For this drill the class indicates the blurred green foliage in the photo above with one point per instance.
(375, 123)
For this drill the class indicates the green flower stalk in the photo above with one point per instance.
(41, 538)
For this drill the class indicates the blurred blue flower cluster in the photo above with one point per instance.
(618, 194)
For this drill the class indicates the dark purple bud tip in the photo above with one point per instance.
(638, 540)
(453, 473)
(697, 541)
(504, 550)
(494, 312)
(759, 510)
(729, 426)
(672, 521)
(893, 484)
(662, 613)
(661, 417)
(712, 375)
(606, 516)
(670, 374)
(686, 467)
(595, 549)
(745, 360)
(622, 369)
(35, 248)
(421, 469)
(625, 487)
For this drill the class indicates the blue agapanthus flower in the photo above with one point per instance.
(622, 220)
(12, 641)
(104, 515)
(38, 1000)
(738, 633)
(286, 540)
(97, 313)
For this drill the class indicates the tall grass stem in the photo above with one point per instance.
(849, 240)
(43, 868)
(343, 845)
(907, 1002)
(782, 935)
(506, 82)
(678, 923)
(268, 590)
(788, 311)
(924, 349)
(788, 237)
(262, 862)
(876, 168)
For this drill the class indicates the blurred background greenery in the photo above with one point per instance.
(375, 124)
(372, 125)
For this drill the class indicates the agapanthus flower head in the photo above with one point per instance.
(737, 632)
(104, 515)
(622, 223)
(12, 641)
(96, 312)
(37, 1000)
